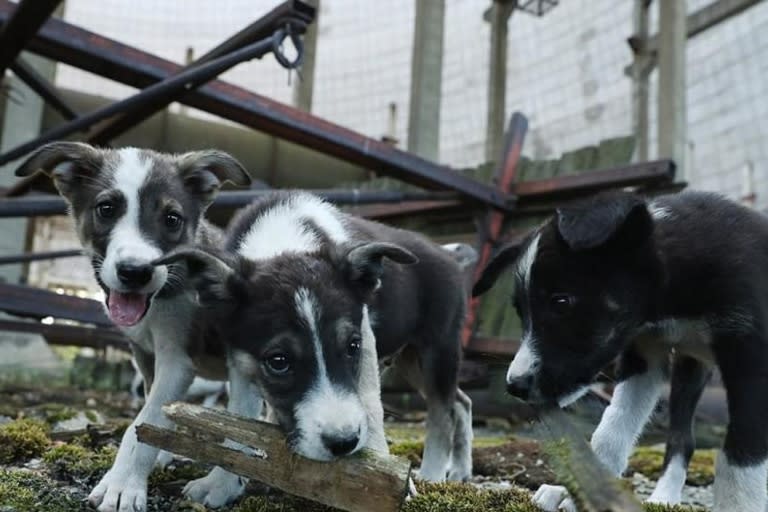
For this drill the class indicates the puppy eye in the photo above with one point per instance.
(353, 346)
(106, 210)
(173, 221)
(561, 302)
(278, 364)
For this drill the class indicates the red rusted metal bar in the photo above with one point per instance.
(294, 12)
(88, 51)
(70, 335)
(31, 302)
(26, 18)
(42, 87)
(504, 176)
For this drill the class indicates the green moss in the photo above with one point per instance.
(22, 439)
(23, 491)
(459, 497)
(652, 507)
(177, 472)
(281, 503)
(74, 462)
(54, 413)
(411, 450)
(92, 416)
(649, 461)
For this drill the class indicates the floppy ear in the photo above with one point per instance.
(366, 262)
(68, 163)
(216, 279)
(504, 258)
(621, 217)
(204, 172)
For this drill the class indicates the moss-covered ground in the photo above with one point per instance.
(40, 472)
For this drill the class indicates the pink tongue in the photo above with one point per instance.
(126, 309)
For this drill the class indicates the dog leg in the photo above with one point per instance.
(742, 467)
(622, 422)
(124, 487)
(689, 376)
(461, 457)
(220, 487)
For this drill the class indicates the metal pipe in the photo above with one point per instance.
(28, 16)
(38, 256)
(43, 88)
(169, 87)
(96, 54)
(48, 204)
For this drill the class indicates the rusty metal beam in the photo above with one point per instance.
(90, 52)
(25, 19)
(39, 256)
(42, 87)
(32, 302)
(70, 335)
(42, 205)
(295, 12)
(164, 90)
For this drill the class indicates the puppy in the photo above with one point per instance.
(623, 278)
(294, 293)
(129, 207)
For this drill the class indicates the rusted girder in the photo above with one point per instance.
(31, 302)
(24, 19)
(42, 87)
(70, 335)
(105, 57)
(48, 204)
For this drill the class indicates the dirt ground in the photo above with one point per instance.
(55, 446)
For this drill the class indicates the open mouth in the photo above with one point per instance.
(127, 308)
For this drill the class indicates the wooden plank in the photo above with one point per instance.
(364, 482)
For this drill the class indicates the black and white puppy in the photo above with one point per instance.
(622, 278)
(293, 294)
(129, 207)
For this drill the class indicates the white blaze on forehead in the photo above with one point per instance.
(525, 361)
(282, 228)
(126, 241)
(325, 410)
(526, 261)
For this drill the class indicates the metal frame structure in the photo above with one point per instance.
(25, 26)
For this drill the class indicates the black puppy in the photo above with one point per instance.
(622, 278)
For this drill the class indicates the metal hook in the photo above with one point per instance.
(277, 47)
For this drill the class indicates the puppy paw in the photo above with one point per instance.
(119, 493)
(164, 458)
(216, 489)
(554, 498)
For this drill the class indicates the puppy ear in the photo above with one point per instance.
(365, 262)
(68, 163)
(608, 218)
(504, 258)
(216, 278)
(204, 172)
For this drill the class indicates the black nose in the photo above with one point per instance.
(341, 445)
(134, 275)
(520, 387)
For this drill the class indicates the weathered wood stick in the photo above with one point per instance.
(591, 485)
(367, 481)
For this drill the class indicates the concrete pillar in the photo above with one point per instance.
(671, 102)
(426, 79)
(302, 90)
(641, 70)
(21, 122)
(498, 16)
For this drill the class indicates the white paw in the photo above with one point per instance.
(163, 459)
(664, 500)
(119, 493)
(216, 489)
(554, 498)
(460, 471)
(431, 473)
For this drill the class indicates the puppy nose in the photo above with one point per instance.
(520, 387)
(133, 274)
(341, 445)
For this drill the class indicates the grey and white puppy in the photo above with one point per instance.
(298, 285)
(130, 206)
